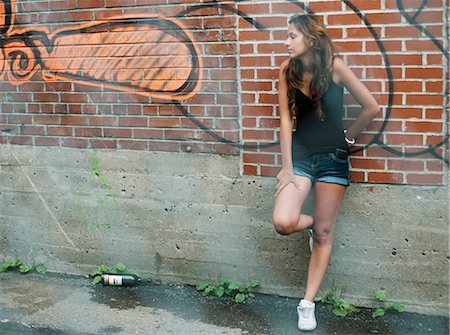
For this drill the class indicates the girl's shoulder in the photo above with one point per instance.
(338, 70)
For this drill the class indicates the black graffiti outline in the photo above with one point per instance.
(376, 139)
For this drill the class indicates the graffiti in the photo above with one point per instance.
(104, 213)
(154, 56)
(376, 140)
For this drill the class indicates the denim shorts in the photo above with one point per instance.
(326, 167)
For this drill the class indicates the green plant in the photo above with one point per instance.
(380, 311)
(341, 307)
(101, 269)
(223, 287)
(18, 264)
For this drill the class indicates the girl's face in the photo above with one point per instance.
(296, 42)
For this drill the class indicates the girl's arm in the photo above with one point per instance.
(370, 108)
(286, 175)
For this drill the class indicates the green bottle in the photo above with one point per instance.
(120, 279)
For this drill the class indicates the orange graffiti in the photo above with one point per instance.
(151, 55)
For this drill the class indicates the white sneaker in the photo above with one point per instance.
(311, 239)
(306, 317)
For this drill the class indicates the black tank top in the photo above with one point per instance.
(314, 136)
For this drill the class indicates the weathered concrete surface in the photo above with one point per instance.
(183, 218)
(64, 305)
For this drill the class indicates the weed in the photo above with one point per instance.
(380, 311)
(224, 287)
(18, 264)
(341, 307)
(119, 268)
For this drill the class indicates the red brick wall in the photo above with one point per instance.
(395, 50)
(202, 77)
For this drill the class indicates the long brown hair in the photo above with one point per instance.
(322, 50)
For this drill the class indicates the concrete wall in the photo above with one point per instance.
(181, 217)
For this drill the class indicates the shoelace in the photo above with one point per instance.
(306, 312)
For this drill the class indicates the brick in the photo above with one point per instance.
(181, 134)
(219, 22)
(361, 32)
(255, 158)
(437, 166)
(365, 4)
(32, 130)
(357, 176)
(133, 121)
(406, 165)
(249, 122)
(343, 19)
(250, 169)
(69, 108)
(102, 121)
(385, 177)
(46, 119)
(267, 74)
(425, 179)
(63, 5)
(326, 6)
(75, 143)
(431, 113)
(132, 144)
(90, 3)
(423, 126)
(148, 133)
(117, 132)
(46, 141)
(437, 86)
(21, 140)
(369, 164)
(164, 122)
(413, 4)
(269, 171)
(350, 46)
(384, 18)
(251, 9)
(60, 131)
(255, 61)
(254, 35)
(268, 98)
(88, 132)
(285, 8)
(227, 99)
(45, 97)
(402, 31)
(390, 46)
(73, 120)
(221, 49)
(424, 99)
(258, 134)
(102, 143)
(419, 45)
(424, 73)
(404, 139)
(257, 110)
(269, 122)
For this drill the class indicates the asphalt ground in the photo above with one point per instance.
(68, 305)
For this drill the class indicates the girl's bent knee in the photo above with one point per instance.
(283, 227)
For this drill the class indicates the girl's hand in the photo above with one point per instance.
(284, 178)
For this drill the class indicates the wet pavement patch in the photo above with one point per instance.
(55, 304)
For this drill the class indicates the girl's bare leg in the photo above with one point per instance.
(327, 203)
(287, 217)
